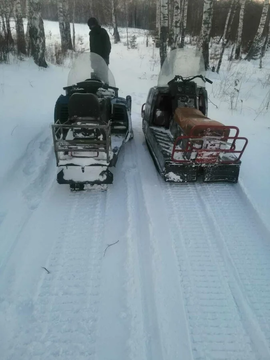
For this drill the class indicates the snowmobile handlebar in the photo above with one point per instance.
(188, 79)
(100, 84)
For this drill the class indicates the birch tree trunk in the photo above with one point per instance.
(126, 15)
(265, 43)
(91, 8)
(21, 45)
(237, 53)
(206, 29)
(73, 26)
(158, 4)
(27, 39)
(6, 11)
(64, 25)
(176, 23)
(184, 23)
(37, 33)
(164, 23)
(114, 22)
(257, 44)
(227, 30)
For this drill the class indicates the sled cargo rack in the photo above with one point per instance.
(210, 148)
(81, 145)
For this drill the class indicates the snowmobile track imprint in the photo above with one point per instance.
(66, 306)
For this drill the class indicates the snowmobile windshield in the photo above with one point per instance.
(183, 62)
(90, 66)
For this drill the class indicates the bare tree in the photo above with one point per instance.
(265, 43)
(176, 23)
(158, 4)
(37, 33)
(164, 27)
(21, 45)
(257, 44)
(73, 26)
(184, 22)
(64, 25)
(206, 29)
(227, 31)
(237, 53)
(114, 22)
(6, 9)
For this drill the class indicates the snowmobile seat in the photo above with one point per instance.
(189, 118)
(84, 106)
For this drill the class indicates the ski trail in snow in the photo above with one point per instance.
(244, 241)
(66, 306)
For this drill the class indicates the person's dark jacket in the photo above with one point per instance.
(100, 42)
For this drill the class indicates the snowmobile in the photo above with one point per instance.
(185, 144)
(91, 125)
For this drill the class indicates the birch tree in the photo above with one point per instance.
(73, 26)
(206, 29)
(91, 7)
(64, 25)
(183, 22)
(164, 14)
(227, 30)
(114, 22)
(257, 44)
(158, 4)
(238, 44)
(265, 42)
(37, 33)
(21, 45)
(6, 8)
(176, 23)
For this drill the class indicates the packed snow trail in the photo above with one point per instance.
(147, 270)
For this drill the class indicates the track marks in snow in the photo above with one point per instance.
(145, 340)
(23, 191)
(245, 249)
(163, 324)
(64, 321)
(217, 325)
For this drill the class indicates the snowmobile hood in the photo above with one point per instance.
(90, 65)
(183, 62)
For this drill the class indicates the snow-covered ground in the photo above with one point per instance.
(187, 273)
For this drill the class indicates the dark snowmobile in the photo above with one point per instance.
(91, 124)
(184, 143)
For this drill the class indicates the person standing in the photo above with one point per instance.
(99, 40)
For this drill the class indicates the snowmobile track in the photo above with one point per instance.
(217, 321)
(244, 242)
(157, 259)
(66, 306)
